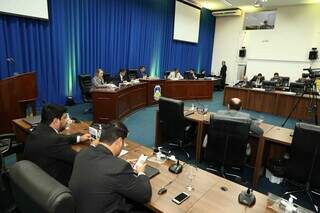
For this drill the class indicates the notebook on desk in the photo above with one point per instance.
(151, 171)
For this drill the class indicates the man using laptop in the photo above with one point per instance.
(103, 182)
(49, 149)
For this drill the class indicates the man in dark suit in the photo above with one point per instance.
(102, 182)
(121, 77)
(49, 149)
(190, 75)
(257, 80)
(223, 74)
(234, 107)
(141, 73)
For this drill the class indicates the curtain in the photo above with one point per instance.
(82, 35)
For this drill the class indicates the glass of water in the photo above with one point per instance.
(191, 174)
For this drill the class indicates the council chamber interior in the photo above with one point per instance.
(211, 105)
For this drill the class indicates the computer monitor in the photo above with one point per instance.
(269, 85)
(132, 73)
(297, 87)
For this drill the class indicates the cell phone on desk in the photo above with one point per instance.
(180, 198)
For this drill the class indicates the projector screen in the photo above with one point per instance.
(30, 8)
(186, 22)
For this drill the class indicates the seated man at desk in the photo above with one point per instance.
(142, 72)
(256, 81)
(121, 77)
(49, 149)
(103, 182)
(97, 80)
(175, 75)
(234, 107)
(277, 79)
(190, 75)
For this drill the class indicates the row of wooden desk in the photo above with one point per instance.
(275, 102)
(274, 142)
(207, 195)
(114, 104)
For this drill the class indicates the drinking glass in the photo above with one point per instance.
(191, 174)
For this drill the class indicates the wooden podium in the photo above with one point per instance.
(16, 94)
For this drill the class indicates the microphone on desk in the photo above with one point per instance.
(176, 167)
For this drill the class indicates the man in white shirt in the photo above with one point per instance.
(175, 75)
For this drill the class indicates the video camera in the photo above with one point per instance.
(313, 72)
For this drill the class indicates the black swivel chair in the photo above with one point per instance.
(227, 143)
(35, 191)
(173, 126)
(8, 146)
(303, 167)
(85, 86)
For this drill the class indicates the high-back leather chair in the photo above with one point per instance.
(227, 142)
(85, 86)
(35, 191)
(172, 122)
(303, 167)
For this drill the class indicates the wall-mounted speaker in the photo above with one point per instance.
(313, 54)
(242, 52)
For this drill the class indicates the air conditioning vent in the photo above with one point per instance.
(232, 12)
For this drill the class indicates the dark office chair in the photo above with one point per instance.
(85, 87)
(285, 81)
(8, 146)
(107, 78)
(173, 126)
(36, 191)
(303, 168)
(132, 74)
(227, 143)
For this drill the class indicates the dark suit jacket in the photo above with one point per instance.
(223, 72)
(101, 182)
(234, 114)
(51, 151)
(117, 79)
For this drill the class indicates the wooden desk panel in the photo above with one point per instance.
(275, 102)
(110, 105)
(261, 101)
(188, 89)
(232, 92)
(150, 91)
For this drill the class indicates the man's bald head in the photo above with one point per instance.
(235, 104)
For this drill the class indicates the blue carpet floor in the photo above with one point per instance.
(141, 125)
